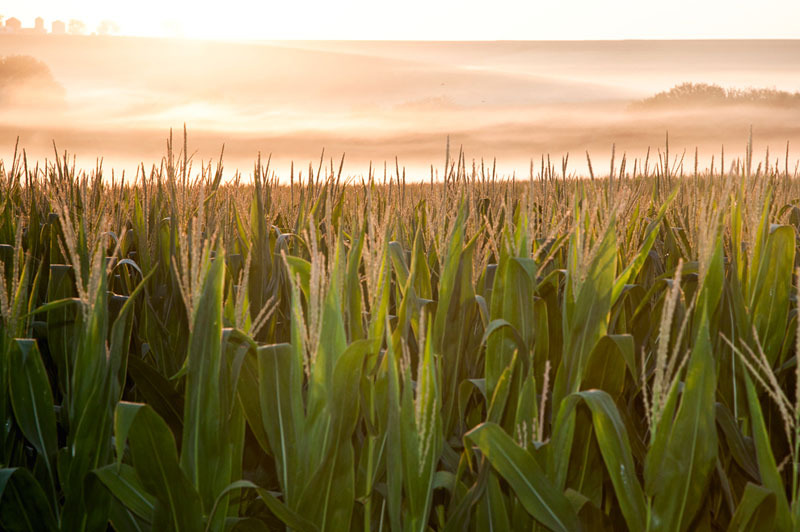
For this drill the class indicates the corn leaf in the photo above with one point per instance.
(536, 493)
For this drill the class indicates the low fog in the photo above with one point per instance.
(116, 98)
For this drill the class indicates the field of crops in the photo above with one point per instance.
(182, 352)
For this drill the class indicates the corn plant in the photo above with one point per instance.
(184, 352)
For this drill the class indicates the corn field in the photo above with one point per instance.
(185, 352)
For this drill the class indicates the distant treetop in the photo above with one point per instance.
(704, 94)
(24, 81)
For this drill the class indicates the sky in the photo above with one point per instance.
(428, 20)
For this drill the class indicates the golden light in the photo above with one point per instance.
(426, 20)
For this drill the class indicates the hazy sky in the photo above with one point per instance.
(429, 20)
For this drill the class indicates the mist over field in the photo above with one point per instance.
(374, 101)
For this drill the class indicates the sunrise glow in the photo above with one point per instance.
(425, 20)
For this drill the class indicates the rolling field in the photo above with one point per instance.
(182, 351)
(373, 100)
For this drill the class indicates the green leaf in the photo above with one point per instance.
(421, 436)
(300, 268)
(447, 282)
(223, 495)
(32, 401)
(246, 524)
(205, 456)
(329, 349)
(711, 289)
(23, 504)
(248, 392)
(535, 491)
(120, 339)
(155, 459)
(605, 368)
(770, 477)
(612, 438)
(353, 291)
(491, 512)
(586, 318)
(740, 451)
(289, 517)
(282, 415)
(502, 391)
(122, 482)
(158, 392)
(769, 290)
(691, 447)
(632, 270)
(90, 413)
(328, 496)
(394, 456)
(512, 313)
(62, 310)
(124, 520)
(755, 512)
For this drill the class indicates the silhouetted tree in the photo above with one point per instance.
(76, 27)
(107, 27)
(25, 80)
(702, 94)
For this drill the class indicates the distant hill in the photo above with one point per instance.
(704, 94)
